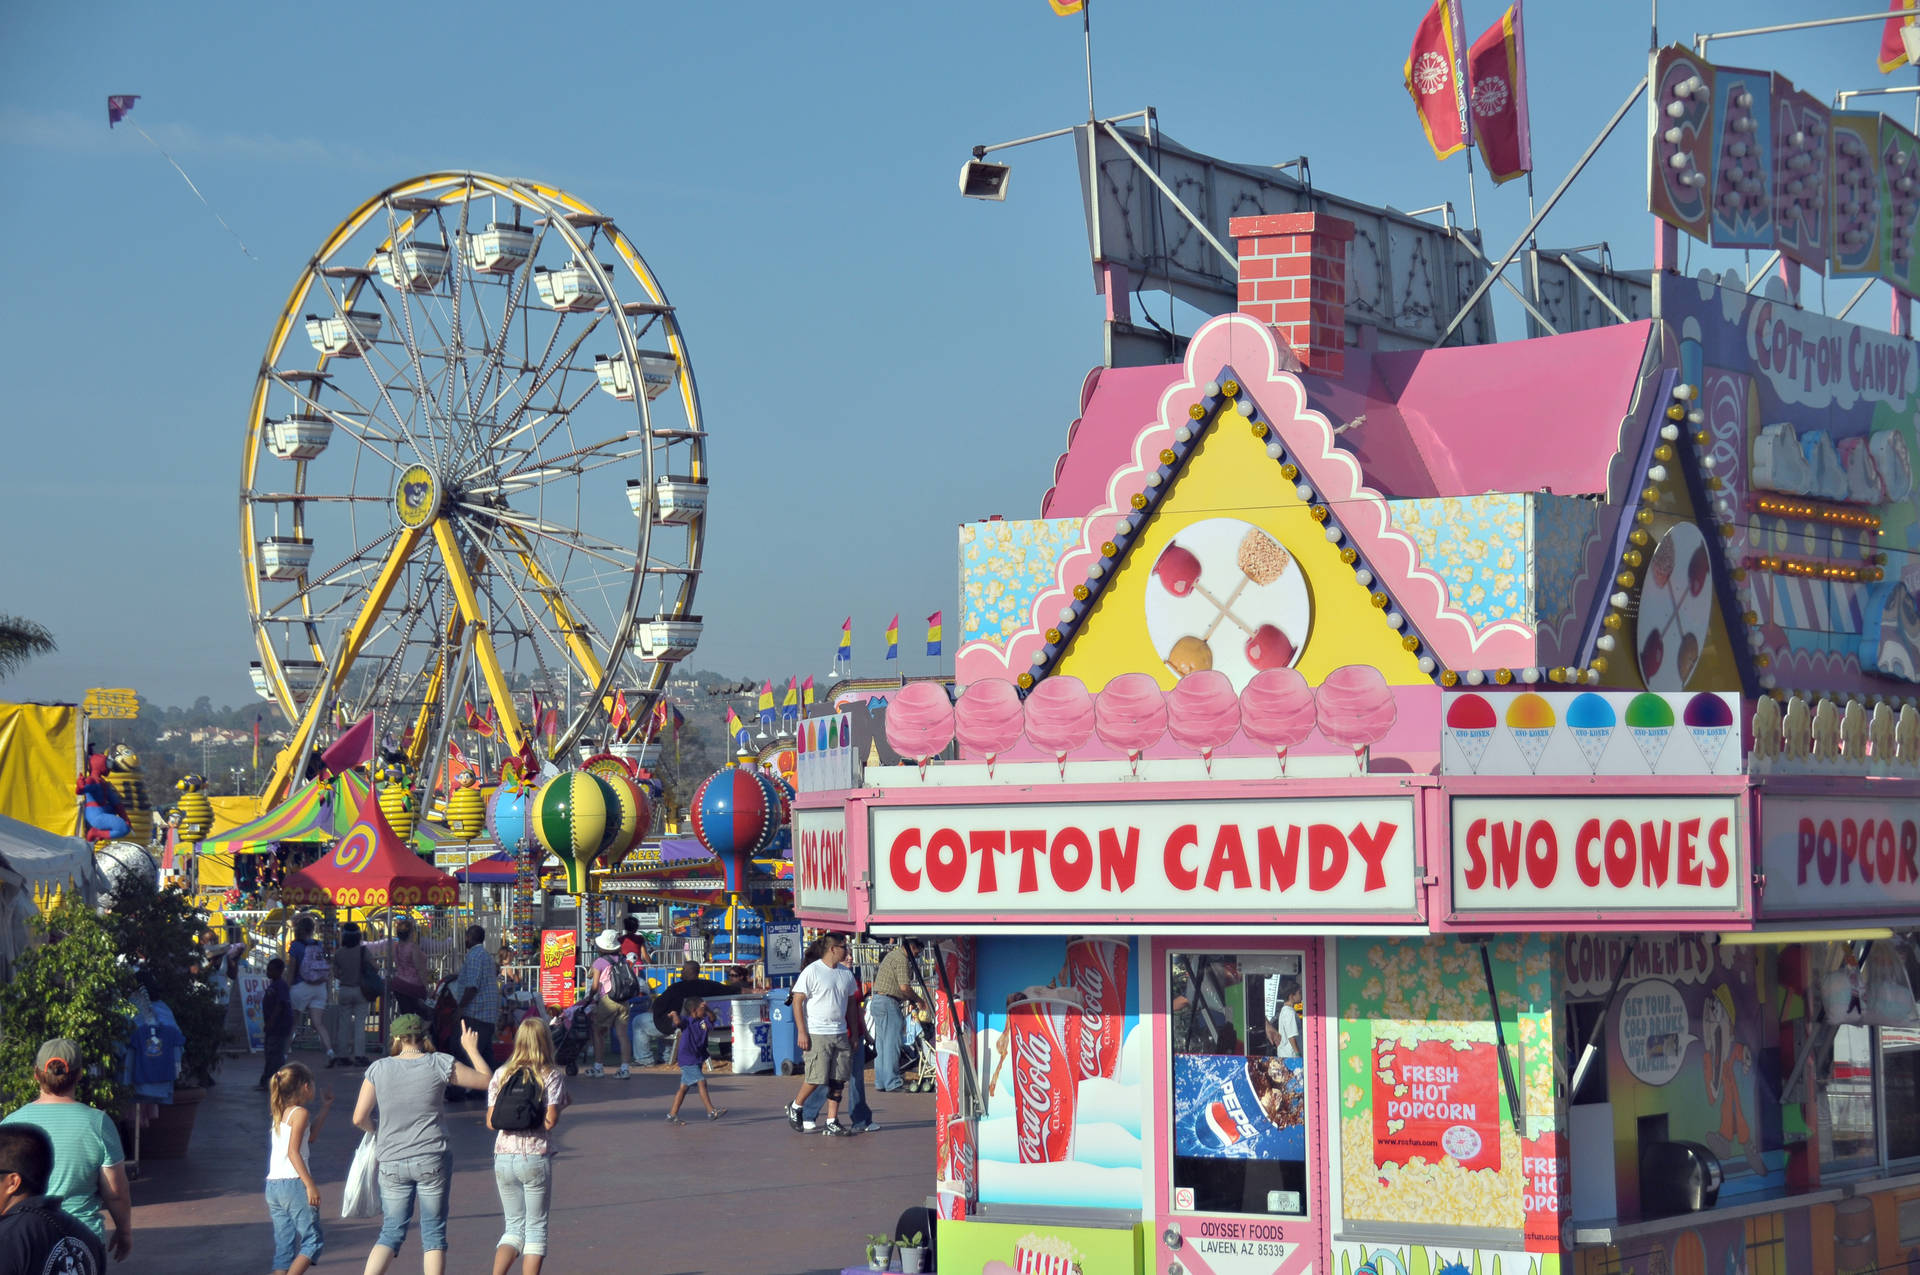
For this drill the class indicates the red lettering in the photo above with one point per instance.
(985, 845)
(1372, 849)
(1619, 852)
(1721, 866)
(904, 877)
(1885, 855)
(1118, 861)
(1909, 848)
(1506, 855)
(1229, 856)
(1586, 860)
(1826, 851)
(1543, 854)
(1808, 840)
(1850, 851)
(1183, 838)
(1656, 851)
(1027, 842)
(1326, 857)
(1476, 873)
(946, 861)
(1279, 860)
(1070, 859)
(1687, 872)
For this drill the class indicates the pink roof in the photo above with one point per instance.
(1519, 416)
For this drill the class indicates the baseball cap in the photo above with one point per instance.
(408, 1025)
(60, 1047)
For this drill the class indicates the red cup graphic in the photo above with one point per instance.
(946, 1098)
(952, 981)
(1045, 1080)
(1097, 970)
(959, 1180)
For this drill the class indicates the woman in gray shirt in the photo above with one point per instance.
(408, 1090)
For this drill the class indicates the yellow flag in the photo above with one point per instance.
(1067, 8)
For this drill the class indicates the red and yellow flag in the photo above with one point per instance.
(1433, 80)
(1067, 8)
(1497, 70)
(1893, 49)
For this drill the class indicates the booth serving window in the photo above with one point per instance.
(1239, 1082)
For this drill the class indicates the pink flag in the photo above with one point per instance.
(353, 748)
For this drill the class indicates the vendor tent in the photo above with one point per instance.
(370, 867)
(495, 869)
(47, 861)
(305, 816)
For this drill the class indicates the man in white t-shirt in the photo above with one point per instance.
(820, 1024)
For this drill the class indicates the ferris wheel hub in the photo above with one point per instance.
(417, 496)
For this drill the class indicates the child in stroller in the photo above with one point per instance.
(572, 1031)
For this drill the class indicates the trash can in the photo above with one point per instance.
(783, 1038)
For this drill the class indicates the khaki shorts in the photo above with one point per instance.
(829, 1060)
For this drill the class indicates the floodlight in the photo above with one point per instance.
(982, 179)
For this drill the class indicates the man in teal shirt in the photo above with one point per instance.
(89, 1169)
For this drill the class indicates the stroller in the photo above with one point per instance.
(572, 1031)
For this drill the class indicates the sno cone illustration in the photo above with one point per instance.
(1709, 720)
(1591, 722)
(1470, 720)
(1650, 722)
(1530, 720)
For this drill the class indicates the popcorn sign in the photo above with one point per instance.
(1435, 1100)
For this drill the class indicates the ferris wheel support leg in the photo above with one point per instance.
(483, 651)
(370, 609)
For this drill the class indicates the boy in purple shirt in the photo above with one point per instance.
(690, 1052)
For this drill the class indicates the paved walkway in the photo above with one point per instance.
(633, 1194)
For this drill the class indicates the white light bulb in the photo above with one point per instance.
(1303, 491)
(1604, 641)
(1658, 473)
(1426, 664)
(1212, 389)
(1364, 577)
(1396, 620)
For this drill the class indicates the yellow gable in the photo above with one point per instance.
(1675, 637)
(1248, 605)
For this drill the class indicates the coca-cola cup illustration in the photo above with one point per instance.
(1097, 970)
(946, 1099)
(953, 979)
(1045, 1084)
(956, 1172)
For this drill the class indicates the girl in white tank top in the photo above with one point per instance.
(296, 1220)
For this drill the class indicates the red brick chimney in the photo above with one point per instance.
(1293, 275)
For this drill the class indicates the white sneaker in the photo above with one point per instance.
(597, 1070)
(808, 1126)
(624, 1071)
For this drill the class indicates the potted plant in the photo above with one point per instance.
(879, 1252)
(159, 932)
(70, 983)
(913, 1256)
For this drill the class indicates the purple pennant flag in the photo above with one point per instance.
(118, 105)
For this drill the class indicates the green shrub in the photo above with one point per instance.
(70, 983)
(160, 930)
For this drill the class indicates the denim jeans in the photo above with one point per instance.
(427, 1176)
(889, 1027)
(525, 1183)
(853, 1102)
(649, 1046)
(277, 1047)
(296, 1224)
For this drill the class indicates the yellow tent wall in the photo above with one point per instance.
(39, 757)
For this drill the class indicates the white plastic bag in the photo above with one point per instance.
(362, 1196)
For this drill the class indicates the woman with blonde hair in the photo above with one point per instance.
(523, 1105)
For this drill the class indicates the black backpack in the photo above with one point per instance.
(521, 1105)
(622, 985)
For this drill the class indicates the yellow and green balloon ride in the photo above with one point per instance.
(577, 817)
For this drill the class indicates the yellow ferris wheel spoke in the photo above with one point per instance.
(469, 604)
(370, 609)
(571, 629)
(448, 649)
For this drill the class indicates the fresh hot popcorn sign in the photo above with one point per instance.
(1127, 859)
(1436, 1099)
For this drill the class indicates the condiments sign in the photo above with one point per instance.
(1606, 855)
(1128, 859)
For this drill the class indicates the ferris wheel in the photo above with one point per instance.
(475, 472)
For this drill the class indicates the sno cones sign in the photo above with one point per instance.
(1650, 722)
(1592, 722)
(1530, 720)
(1470, 723)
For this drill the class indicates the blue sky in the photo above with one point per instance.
(879, 359)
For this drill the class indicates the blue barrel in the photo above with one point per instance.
(783, 1038)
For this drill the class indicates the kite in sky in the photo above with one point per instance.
(119, 106)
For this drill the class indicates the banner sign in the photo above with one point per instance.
(1434, 1100)
(1582, 854)
(253, 1009)
(1270, 858)
(1839, 856)
(111, 703)
(559, 967)
(820, 865)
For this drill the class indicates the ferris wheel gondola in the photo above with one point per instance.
(479, 478)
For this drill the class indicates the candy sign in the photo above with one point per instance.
(1270, 858)
(820, 860)
(1838, 855)
(1653, 854)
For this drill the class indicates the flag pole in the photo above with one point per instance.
(1473, 199)
(1086, 33)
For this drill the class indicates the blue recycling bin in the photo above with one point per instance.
(783, 1037)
